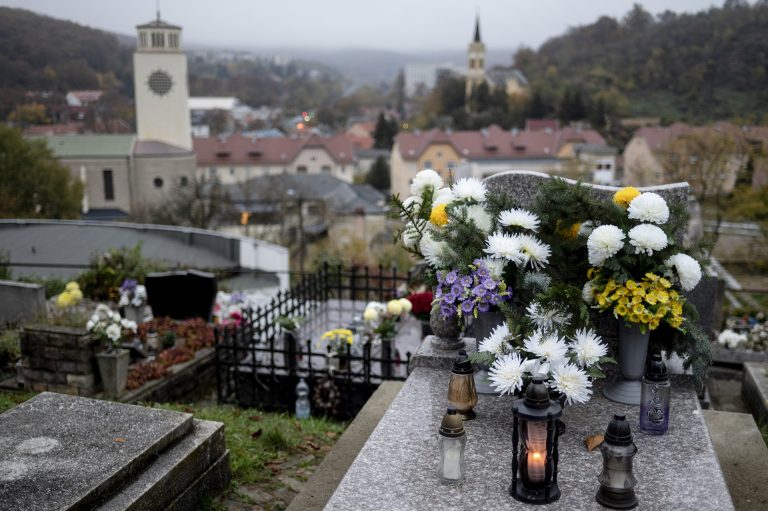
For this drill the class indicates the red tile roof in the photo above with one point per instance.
(658, 137)
(495, 143)
(70, 128)
(541, 124)
(238, 149)
(87, 96)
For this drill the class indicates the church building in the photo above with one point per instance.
(126, 173)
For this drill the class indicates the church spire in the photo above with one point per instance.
(477, 28)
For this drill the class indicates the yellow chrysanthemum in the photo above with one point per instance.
(621, 310)
(638, 308)
(654, 324)
(624, 196)
(439, 216)
(645, 317)
(624, 301)
(571, 232)
(71, 286)
(651, 297)
(662, 296)
(64, 300)
(591, 273)
(652, 277)
(634, 318)
(664, 282)
(631, 285)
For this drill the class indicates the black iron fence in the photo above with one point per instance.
(259, 364)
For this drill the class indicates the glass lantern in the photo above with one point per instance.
(453, 440)
(462, 393)
(654, 398)
(617, 483)
(534, 445)
(303, 408)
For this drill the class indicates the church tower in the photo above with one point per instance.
(161, 85)
(475, 62)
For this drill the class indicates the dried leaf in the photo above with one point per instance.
(297, 425)
(255, 418)
(593, 441)
(313, 446)
(256, 434)
(330, 434)
(120, 440)
(187, 409)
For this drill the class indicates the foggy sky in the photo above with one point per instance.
(399, 25)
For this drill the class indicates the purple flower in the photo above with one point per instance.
(489, 283)
(467, 306)
(483, 307)
(447, 311)
(457, 290)
(478, 290)
(451, 277)
(438, 292)
(466, 281)
(128, 285)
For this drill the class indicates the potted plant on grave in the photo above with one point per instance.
(381, 319)
(109, 328)
(133, 298)
(338, 344)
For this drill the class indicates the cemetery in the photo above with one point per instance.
(551, 345)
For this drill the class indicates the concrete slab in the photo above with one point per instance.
(67, 453)
(754, 389)
(326, 478)
(173, 471)
(212, 481)
(743, 457)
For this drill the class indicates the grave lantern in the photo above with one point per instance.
(534, 445)
(617, 483)
(462, 393)
(453, 440)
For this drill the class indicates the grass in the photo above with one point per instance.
(263, 446)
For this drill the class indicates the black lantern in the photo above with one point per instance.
(534, 437)
(617, 483)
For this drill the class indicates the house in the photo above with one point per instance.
(652, 151)
(569, 151)
(238, 158)
(83, 97)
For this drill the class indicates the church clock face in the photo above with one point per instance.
(160, 83)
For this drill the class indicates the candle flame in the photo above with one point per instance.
(536, 455)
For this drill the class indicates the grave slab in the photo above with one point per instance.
(68, 453)
(397, 467)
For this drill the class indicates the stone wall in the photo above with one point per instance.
(59, 359)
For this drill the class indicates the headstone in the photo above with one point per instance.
(182, 294)
(21, 302)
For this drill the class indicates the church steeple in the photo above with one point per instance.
(477, 29)
(475, 63)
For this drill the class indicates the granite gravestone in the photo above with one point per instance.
(21, 302)
(182, 294)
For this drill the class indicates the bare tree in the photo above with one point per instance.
(202, 204)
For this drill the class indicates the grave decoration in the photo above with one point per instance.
(381, 319)
(133, 298)
(617, 482)
(338, 343)
(110, 329)
(462, 394)
(453, 442)
(638, 274)
(534, 437)
(655, 397)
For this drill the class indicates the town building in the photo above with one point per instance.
(570, 151)
(238, 158)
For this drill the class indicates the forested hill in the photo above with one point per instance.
(712, 64)
(40, 53)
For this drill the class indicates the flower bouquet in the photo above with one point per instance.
(381, 319)
(133, 297)
(108, 327)
(421, 304)
(639, 275)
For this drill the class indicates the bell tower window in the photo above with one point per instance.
(142, 39)
(158, 40)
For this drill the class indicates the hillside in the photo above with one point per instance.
(695, 67)
(40, 53)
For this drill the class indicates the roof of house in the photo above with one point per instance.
(495, 143)
(213, 103)
(238, 149)
(89, 146)
(657, 137)
(157, 148)
(70, 128)
(341, 197)
(158, 23)
(87, 96)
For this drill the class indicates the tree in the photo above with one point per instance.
(378, 175)
(199, 204)
(32, 183)
(384, 133)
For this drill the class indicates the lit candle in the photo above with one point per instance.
(536, 466)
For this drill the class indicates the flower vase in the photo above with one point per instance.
(447, 331)
(133, 313)
(113, 369)
(485, 323)
(633, 347)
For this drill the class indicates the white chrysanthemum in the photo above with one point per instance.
(519, 218)
(534, 251)
(588, 293)
(604, 242)
(550, 347)
(588, 347)
(688, 270)
(506, 374)
(128, 324)
(427, 178)
(414, 202)
(649, 207)
(547, 319)
(647, 238)
(505, 246)
(477, 214)
(433, 250)
(495, 267)
(572, 382)
(113, 332)
(442, 196)
(495, 342)
(731, 339)
(90, 324)
(469, 188)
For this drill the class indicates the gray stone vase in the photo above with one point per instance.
(633, 348)
(485, 323)
(446, 331)
(113, 368)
